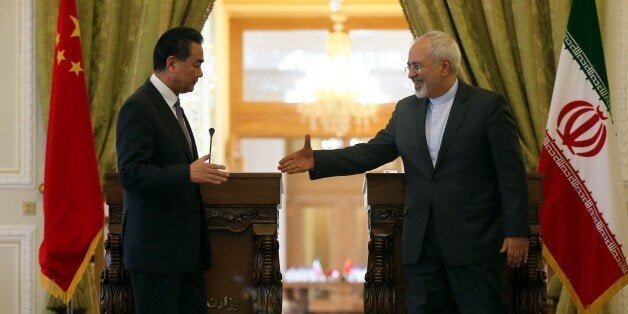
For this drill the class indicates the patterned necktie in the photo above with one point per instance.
(181, 119)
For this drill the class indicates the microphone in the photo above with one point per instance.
(211, 137)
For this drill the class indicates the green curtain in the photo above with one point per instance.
(508, 46)
(117, 38)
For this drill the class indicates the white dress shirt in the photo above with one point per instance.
(436, 119)
(169, 96)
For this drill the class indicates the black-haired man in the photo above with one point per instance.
(165, 243)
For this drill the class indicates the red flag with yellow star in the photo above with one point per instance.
(73, 205)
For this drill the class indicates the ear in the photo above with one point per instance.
(446, 67)
(170, 62)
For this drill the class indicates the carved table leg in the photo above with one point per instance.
(267, 293)
(530, 282)
(379, 289)
(115, 285)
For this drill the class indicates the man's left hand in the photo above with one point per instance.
(516, 249)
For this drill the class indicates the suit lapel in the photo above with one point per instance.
(456, 115)
(169, 119)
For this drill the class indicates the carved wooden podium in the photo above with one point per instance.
(384, 290)
(241, 218)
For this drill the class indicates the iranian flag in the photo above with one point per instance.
(583, 216)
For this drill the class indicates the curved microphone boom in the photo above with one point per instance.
(211, 137)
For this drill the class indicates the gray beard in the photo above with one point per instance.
(421, 92)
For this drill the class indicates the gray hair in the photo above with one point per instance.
(442, 46)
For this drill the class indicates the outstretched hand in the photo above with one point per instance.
(299, 161)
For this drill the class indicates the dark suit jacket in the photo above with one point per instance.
(477, 191)
(163, 226)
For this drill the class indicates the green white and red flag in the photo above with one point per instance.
(583, 216)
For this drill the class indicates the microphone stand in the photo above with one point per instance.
(211, 137)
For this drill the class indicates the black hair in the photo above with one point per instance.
(174, 42)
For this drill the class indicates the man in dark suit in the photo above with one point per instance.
(165, 243)
(466, 194)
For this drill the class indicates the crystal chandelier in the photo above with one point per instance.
(339, 89)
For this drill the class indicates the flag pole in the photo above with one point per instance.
(69, 308)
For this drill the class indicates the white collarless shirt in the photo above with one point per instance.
(436, 119)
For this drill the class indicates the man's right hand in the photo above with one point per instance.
(299, 161)
(203, 172)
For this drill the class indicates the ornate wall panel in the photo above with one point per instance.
(17, 118)
(17, 251)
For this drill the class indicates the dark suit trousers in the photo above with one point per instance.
(169, 293)
(476, 288)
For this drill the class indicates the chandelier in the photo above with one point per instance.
(338, 91)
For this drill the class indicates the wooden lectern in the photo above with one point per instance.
(384, 290)
(241, 218)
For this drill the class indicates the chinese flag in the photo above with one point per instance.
(73, 205)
